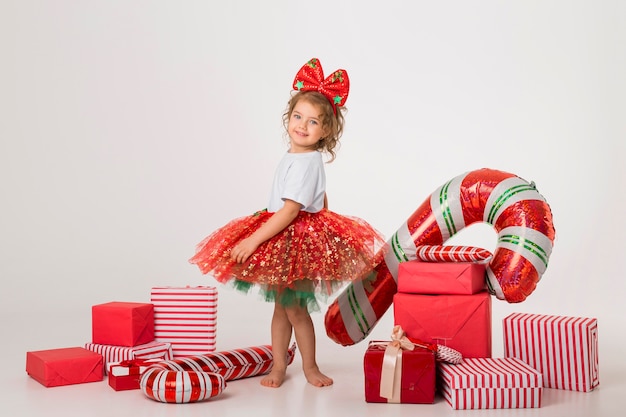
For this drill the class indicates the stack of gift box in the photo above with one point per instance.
(129, 336)
(165, 347)
(441, 302)
(444, 302)
(123, 333)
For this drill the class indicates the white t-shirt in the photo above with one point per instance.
(299, 177)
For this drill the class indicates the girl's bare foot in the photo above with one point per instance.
(317, 378)
(274, 379)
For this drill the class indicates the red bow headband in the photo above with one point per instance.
(335, 87)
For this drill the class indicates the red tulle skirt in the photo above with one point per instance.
(315, 255)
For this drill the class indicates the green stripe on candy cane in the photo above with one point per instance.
(528, 245)
(445, 209)
(357, 312)
(490, 288)
(505, 196)
(397, 248)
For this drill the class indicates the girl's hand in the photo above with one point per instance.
(243, 250)
(281, 219)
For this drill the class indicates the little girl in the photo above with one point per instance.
(297, 249)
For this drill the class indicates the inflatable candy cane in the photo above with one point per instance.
(518, 213)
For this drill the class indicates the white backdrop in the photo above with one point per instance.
(129, 130)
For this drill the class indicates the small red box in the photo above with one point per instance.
(419, 277)
(126, 375)
(417, 379)
(65, 366)
(461, 322)
(124, 383)
(122, 324)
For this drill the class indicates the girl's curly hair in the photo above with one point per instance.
(331, 122)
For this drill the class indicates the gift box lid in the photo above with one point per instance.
(381, 345)
(126, 305)
(420, 277)
(490, 373)
(61, 354)
(556, 320)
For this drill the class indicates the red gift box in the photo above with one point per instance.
(484, 383)
(124, 383)
(186, 317)
(125, 375)
(65, 366)
(419, 277)
(411, 379)
(122, 324)
(461, 322)
(564, 349)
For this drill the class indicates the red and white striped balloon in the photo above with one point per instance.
(518, 213)
(180, 386)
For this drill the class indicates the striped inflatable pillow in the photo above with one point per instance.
(441, 253)
(199, 377)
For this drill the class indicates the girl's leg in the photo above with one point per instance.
(281, 336)
(305, 338)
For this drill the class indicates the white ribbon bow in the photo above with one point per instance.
(391, 375)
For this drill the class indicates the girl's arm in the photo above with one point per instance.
(281, 219)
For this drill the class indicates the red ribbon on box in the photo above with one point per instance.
(134, 366)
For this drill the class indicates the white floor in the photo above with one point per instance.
(21, 395)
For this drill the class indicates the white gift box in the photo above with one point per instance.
(186, 317)
(563, 349)
(486, 383)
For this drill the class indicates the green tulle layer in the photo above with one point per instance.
(304, 294)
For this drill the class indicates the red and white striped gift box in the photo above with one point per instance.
(186, 317)
(112, 354)
(486, 383)
(564, 349)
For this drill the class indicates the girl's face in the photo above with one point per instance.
(305, 127)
